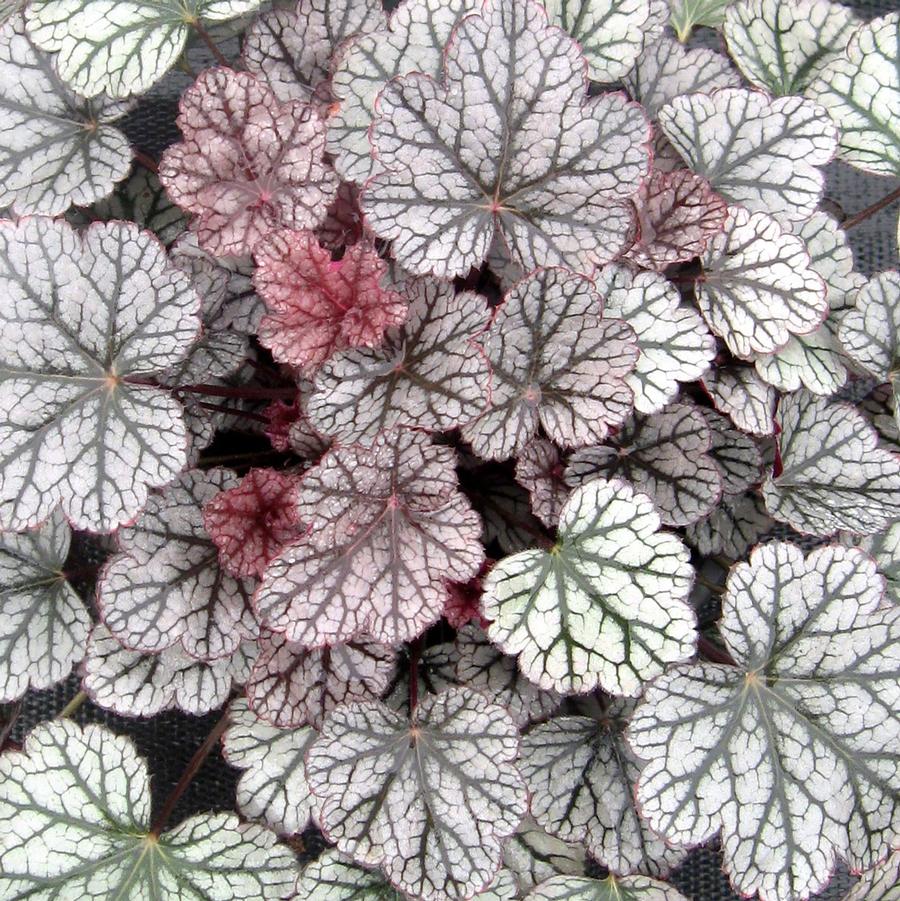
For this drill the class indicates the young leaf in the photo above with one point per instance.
(580, 776)
(132, 683)
(758, 286)
(613, 888)
(781, 47)
(807, 724)
(461, 162)
(251, 522)
(412, 41)
(74, 823)
(861, 90)
(605, 607)
(675, 345)
(833, 474)
(678, 214)
(611, 33)
(317, 306)
(882, 883)
(666, 456)
(388, 525)
(167, 584)
(81, 314)
(428, 800)
(290, 686)
(539, 468)
(756, 151)
(273, 786)
(248, 165)
(56, 149)
(688, 14)
(666, 70)
(429, 374)
(43, 623)
(556, 364)
(291, 49)
(744, 397)
(126, 52)
(884, 548)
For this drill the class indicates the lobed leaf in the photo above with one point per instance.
(83, 314)
(606, 606)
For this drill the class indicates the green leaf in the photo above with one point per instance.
(688, 14)
(581, 888)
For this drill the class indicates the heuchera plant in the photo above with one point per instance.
(479, 406)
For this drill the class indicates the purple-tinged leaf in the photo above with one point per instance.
(290, 686)
(556, 363)
(539, 468)
(675, 344)
(167, 584)
(762, 153)
(248, 165)
(463, 602)
(515, 150)
(317, 306)
(807, 724)
(607, 606)
(388, 525)
(428, 800)
(273, 786)
(429, 374)
(666, 456)
(612, 888)
(744, 397)
(43, 623)
(833, 475)
(82, 313)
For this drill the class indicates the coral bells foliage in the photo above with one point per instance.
(431, 404)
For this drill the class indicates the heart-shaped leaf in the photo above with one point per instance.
(744, 397)
(833, 475)
(124, 53)
(43, 623)
(440, 789)
(813, 642)
(461, 165)
(781, 47)
(388, 525)
(613, 888)
(756, 151)
(82, 314)
(429, 373)
(606, 606)
(861, 90)
(56, 149)
(555, 364)
(74, 821)
(167, 584)
(688, 14)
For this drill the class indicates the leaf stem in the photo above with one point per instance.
(709, 584)
(713, 653)
(220, 57)
(249, 457)
(146, 161)
(72, 707)
(190, 771)
(869, 211)
(222, 408)
(415, 654)
(239, 393)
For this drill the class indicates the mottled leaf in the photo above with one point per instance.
(43, 623)
(428, 800)
(539, 468)
(75, 823)
(56, 149)
(734, 453)
(664, 455)
(733, 527)
(167, 585)
(81, 314)
(555, 363)
(833, 475)
(688, 14)
(429, 373)
(606, 606)
(756, 151)
(807, 725)
(675, 345)
(613, 888)
(882, 883)
(508, 149)
(758, 286)
(248, 165)
(317, 306)
(744, 397)
(290, 686)
(534, 855)
(884, 548)
(124, 49)
(861, 90)
(387, 525)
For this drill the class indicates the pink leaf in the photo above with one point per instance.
(679, 214)
(281, 417)
(252, 522)
(539, 468)
(318, 306)
(248, 165)
(463, 604)
(343, 223)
